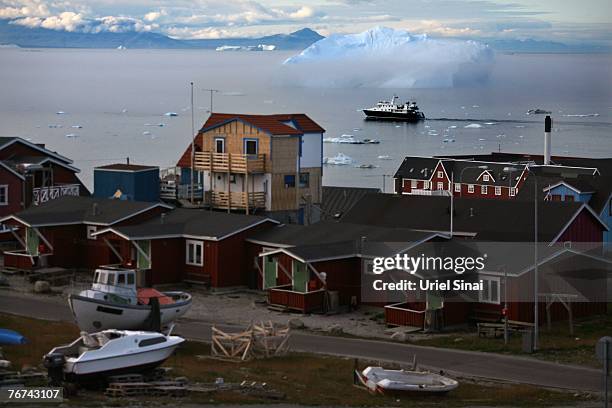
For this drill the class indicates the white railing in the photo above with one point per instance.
(43, 194)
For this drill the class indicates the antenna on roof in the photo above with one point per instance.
(192, 142)
(127, 160)
(211, 97)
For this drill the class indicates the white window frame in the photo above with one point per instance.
(485, 177)
(483, 189)
(222, 140)
(5, 187)
(414, 184)
(195, 244)
(487, 281)
(426, 185)
(512, 191)
(440, 185)
(440, 174)
(470, 188)
(498, 190)
(457, 187)
(91, 229)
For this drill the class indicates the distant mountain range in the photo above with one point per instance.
(26, 37)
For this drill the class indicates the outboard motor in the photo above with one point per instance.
(54, 362)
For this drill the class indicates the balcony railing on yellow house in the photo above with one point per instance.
(230, 162)
(237, 200)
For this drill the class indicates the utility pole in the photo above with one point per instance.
(212, 91)
(192, 145)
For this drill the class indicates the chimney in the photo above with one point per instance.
(128, 161)
(547, 139)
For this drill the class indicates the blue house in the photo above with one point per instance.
(127, 182)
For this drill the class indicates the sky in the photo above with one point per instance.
(568, 21)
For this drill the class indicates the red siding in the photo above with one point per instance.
(15, 190)
(584, 228)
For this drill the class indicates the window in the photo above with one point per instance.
(498, 190)
(110, 278)
(130, 278)
(413, 184)
(194, 253)
(251, 146)
(4, 194)
(457, 188)
(490, 290)
(485, 177)
(483, 189)
(121, 279)
(232, 179)
(569, 198)
(440, 174)
(440, 186)
(91, 229)
(219, 145)
(96, 277)
(470, 188)
(304, 180)
(289, 180)
(150, 342)
(426, 185)
(512, 191)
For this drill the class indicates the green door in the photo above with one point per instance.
(270, 270)
(300, 277)
(31, 241)
(142, 261)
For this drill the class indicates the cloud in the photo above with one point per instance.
(154, 15)
(76, 22)
(25, 8)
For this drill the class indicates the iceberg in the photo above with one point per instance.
(386, 58)
(473, 126)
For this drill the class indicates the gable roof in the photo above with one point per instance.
(295, 124)
(8, 141)
(338, 200)
(417, 168)
(190, 223)
(494, 220)
(126, 167)
(71, 210)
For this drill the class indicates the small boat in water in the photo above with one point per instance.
(378, 379)
(115, 302)
(109, 352)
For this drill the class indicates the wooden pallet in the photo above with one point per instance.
(125, 378)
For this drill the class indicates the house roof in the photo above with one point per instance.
(126, 167)
(70, 210)
(417, 168)
(338, 200)
(21, 163)
(494, 220)
(295, 124)
(190, 223)
(326, 232)
(8, 141)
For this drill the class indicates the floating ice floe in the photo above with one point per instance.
(584, 115)
(146, 133)
(473, 126)
(385, 157)
(452, 127)
(490, 123)
(338, 160)
(76, 127)
(60, 113)
(170, 114)
(72, 135)
(519, 126)
(475, 106)
(124, 110)
(366, 166)
(349, 139)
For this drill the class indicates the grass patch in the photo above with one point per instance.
(555, 345)
(304, 378)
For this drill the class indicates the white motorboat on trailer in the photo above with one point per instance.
(109, 352)
(115, 302)
(378, 379)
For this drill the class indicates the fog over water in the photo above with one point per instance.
(114, 102)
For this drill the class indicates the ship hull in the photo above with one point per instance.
(393, 116)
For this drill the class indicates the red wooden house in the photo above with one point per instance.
(61, 232)
(193, 245)
(30, 174)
